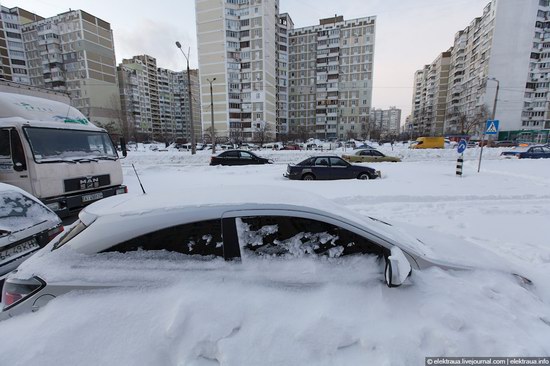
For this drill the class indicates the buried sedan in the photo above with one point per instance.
(369, 156)
(139, 234)
(26, 225)
(329, 168)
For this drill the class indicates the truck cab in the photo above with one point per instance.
(52, 151)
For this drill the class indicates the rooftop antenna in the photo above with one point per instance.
(139, 180)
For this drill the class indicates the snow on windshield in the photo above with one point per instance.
(18, 212)
(48, 144)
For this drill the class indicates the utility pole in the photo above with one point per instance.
(212, 116)
(193, 142)
(492, 118)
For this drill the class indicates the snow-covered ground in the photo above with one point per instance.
(244, 315)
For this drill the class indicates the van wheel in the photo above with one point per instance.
(308, 177)
(363, 176)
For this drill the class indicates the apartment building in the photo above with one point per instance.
(155, 101)
(430, 96)
(13, 60)
(507, 47)
(330, 67)
(73, 52)
(237, 51)
(384, 123)
(284, 26)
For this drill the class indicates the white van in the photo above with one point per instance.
(52, 151)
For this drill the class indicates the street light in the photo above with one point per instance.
(193, 147)
(492, 118)
(212, 116)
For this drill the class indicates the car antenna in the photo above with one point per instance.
(139, 180)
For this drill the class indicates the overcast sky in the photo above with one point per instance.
(409, 33)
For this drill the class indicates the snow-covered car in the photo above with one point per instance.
(237, 225)
(329, 168)
(533, 152)
(26, 225)
(369, 156)
(238, 157)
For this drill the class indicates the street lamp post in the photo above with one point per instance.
(492, 118)
(212, 116)
(193, 143)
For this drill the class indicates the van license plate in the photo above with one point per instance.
(92, 197)
(23, 248)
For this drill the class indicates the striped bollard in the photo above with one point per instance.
(459, 163)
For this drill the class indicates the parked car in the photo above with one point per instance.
(533, 152)
(291, 147)
(26, 225)
(364, 146)
(238, 157)
(505, 143)
(328, 168)
(368, 156)
(240, 224)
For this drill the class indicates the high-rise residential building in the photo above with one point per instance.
(155, 101)
(272, 78)
(384, 123)
(430, 96)
(331, 68)
(237, 51)
(13, 60)
(284, 26)
(73, 52)
(507, 47)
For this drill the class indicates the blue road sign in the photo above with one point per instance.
(462, 145)
(491, 128)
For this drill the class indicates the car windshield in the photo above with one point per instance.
(49, 144)
(19, 212)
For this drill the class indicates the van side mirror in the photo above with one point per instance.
(18, 167)
(123, 147)
(397, 269)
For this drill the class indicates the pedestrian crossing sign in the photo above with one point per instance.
(491, 128)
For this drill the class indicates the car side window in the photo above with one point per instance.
(230, 154)
(337, 162)
(307, 162)
(297, 237)
(321, 162)
(5, 144)
(245, 155)
(377, 153)
(197, 238)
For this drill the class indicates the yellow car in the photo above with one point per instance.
(369, 156)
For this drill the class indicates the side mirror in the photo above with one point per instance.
(398, 268)
(123, 147)
(18, 167)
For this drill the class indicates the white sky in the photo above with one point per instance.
(409, 33)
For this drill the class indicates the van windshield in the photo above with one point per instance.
(53, 145)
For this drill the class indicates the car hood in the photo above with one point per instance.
(434, 248)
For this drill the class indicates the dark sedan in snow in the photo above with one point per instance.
(237, 157)
(534, 152)
(328, 168)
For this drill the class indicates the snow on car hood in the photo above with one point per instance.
(441, 249)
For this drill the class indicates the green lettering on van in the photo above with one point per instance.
(82, 121)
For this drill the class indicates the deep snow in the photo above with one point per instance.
(306, 312)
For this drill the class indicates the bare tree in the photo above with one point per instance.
(262, 132)
(474, 123)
